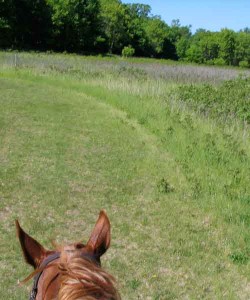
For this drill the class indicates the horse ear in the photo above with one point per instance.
(99, 240)
(33, 252)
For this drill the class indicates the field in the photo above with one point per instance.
(163, 147)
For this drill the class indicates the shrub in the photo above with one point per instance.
(244, 64)
(210, 62)
(228, 100)
(128, 51)
(219, 62)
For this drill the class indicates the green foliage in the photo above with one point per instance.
(75, 24)
(178, 40)
(136, 17)
(194, 54)
(141, 11)
(204, 47)
(217, 101)
(181, 47)
(239, 258)
(5, 26)
(216, 48)
(244, 64)
(164, 186)
(177, 31)
(107, 26)
(134, 284)
(156, 34)
(219, 61)
(113, 15)
(228, 45)
(242, 51)
(27, 22)
(128, 51)
(156, 31)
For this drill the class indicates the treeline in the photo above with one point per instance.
(109, 26)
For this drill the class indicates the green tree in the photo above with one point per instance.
(113, 23)
(5, 24)
(194, 54)
(204, 47)
(128, 51)
(242, 48)
(209, 46)
(176, 31)
(178, 37)
(76, 24)
(135, 17)
(141, 11)
(26, 23)
(181, 47)
(31, 23)
(228, 45)
(156, 32)
(246, 30)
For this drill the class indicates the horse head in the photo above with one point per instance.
(72, 271)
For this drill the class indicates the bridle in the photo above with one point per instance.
(44, 264)
(47, 261)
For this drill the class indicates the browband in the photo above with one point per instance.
(48, 260)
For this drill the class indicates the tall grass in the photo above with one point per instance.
(136, 68)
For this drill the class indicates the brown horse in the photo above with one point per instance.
(71, 272)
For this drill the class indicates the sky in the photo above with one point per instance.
(208, 14)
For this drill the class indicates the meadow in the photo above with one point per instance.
(163, 147)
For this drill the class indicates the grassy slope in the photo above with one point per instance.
(72, 147)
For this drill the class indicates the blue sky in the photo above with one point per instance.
(208, 14)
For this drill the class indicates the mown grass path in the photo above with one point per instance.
(66, 152)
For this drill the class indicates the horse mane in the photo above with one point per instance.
(81, 279)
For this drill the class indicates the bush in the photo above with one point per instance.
(244, 64)
(230, 99)
(219, 61)
(128, 51)
(210, 62)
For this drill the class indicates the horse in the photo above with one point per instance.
(71, 272)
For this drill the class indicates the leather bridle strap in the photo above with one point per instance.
(47, 260)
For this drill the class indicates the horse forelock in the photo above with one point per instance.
(81, 279)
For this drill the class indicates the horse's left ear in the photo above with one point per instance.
(33, 252)
(99, 240)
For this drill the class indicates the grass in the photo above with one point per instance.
(140, 68)
(173, 181)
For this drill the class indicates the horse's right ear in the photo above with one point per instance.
(99, 240)
(33, 252)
